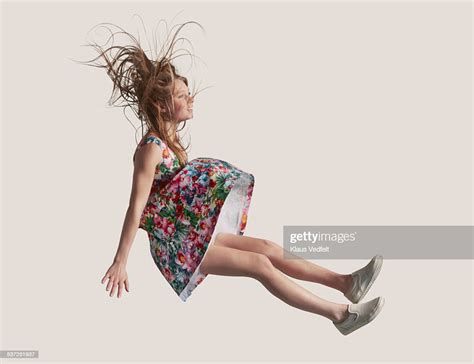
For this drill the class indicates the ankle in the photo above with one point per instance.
(341, 314)
(347, 282)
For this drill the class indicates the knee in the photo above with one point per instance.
(271, 248)
(263, 267)
(218, 238)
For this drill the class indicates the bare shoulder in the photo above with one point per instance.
(149, 152)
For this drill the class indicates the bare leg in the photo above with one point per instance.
(297, 268)
(221, 260)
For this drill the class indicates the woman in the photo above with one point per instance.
(195, 212)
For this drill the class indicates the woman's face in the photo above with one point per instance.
(183, 102)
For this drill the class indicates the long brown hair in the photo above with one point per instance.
(145, 83)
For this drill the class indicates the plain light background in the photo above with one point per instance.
(347, 113)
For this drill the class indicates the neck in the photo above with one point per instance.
(171, 130)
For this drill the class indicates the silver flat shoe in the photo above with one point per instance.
(360, 314)
(363, 279)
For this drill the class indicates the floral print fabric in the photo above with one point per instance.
(186, 208)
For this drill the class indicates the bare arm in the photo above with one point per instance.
(146, 159)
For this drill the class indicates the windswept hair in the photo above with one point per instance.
(143, 83)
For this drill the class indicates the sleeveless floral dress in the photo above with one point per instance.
(187, 207)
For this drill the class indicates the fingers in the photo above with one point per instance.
(116, 282)
(110, 284)
(113, 288)
(119, 293)
(117, 285)
(105, 277)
